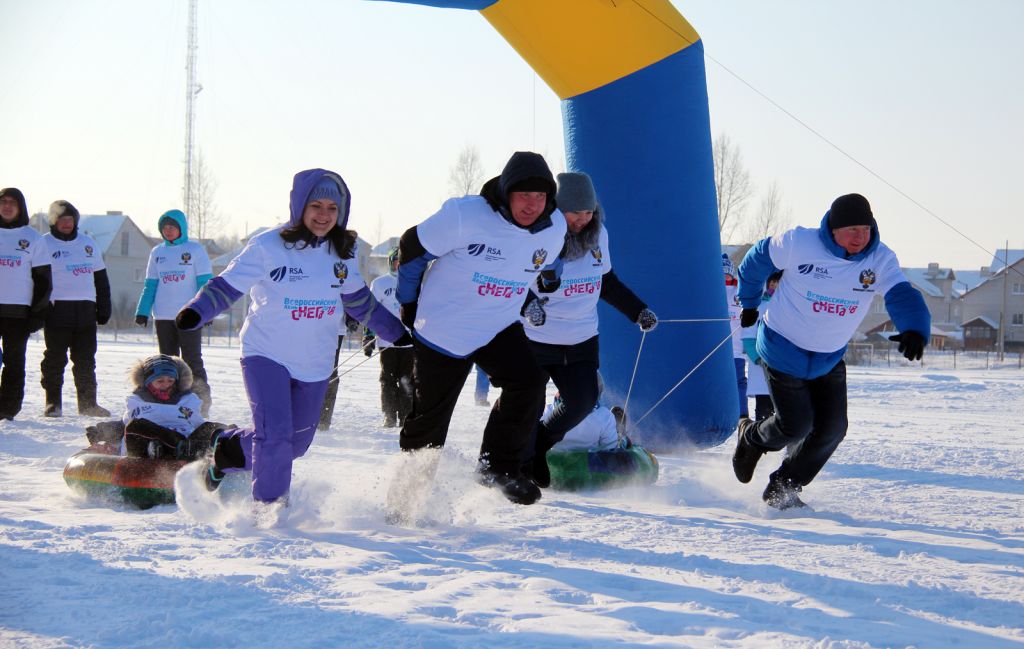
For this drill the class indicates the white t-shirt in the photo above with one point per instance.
(824, 298)
(21, 250)
(572, 309)
(385, 289)
(595, 433)
(485, 265)
(176, 269)
(295, 309)
(72, 264)
(183, 416)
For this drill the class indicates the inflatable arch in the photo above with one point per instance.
(635, 113)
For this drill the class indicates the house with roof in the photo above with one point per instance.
(965, 305)
(983, 303)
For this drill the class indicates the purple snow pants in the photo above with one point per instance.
(285, 413)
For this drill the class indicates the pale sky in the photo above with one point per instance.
(927, 94)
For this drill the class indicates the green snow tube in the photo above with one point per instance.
(590, 470)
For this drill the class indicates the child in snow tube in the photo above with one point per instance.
(135, 459)
(597, 454)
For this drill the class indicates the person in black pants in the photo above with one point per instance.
(562, 326)
(486, 250)
(24, 295)
(81, 300)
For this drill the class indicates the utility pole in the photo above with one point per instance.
(192, 88)
(1002, 311)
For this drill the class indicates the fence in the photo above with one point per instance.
(865, 355)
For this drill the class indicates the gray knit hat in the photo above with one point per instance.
(575, 193)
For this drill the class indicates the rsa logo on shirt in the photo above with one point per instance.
(60, 253)
(819, 272)
(490, 253)
(291, 273)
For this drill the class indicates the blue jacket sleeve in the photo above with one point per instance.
(753, 273)
(148, 295)
(365, 308)
(908, 310)
(212, 300)
(413, 260)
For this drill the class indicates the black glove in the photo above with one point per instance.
(911, 344)
(548, 281)
(35, 323)
(187, 319)
(408, 314)
(405, 340)
(102, 318)
(647, 320)
(534, 311)
(142, 320)
(368, 346)
(748, 317)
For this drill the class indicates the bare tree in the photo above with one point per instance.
(467, 173)
(771, 218)
(203, 218)
(732, 184)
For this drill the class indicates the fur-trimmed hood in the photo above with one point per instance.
(579, 244)
(136, 375)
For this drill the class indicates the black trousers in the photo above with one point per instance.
(331, 395)
(14, 338)
(187, 344)
(809, 421)
(573, 370)
(396, 365)
(438, 379)
(81, 342)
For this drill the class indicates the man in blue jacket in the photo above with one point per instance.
(832, 273)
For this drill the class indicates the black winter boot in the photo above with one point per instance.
(53, 406)
(782, 493)
(744, 460)
(517, 488)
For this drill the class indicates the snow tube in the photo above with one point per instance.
(99, 472)
(635, 116)
(586, 470)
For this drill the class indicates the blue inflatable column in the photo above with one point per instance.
(635, 108)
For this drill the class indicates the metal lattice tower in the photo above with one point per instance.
(192, 89)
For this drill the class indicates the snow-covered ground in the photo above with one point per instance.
(916, 539)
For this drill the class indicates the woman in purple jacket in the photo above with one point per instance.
(301, 276)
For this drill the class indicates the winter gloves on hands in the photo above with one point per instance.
(647, 320)
(187, 319)
(142, 320)
(911, 344)
(533, 311)
(748, 317)
(548, 281)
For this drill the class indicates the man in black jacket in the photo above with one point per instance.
(24, 294)
(81, 300)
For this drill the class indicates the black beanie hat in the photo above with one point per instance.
(848, 210)
(62, 208)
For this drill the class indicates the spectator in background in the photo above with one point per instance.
(25, 286)
(81, 300)
(177, 269)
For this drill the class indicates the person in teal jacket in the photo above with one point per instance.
(177, 269)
